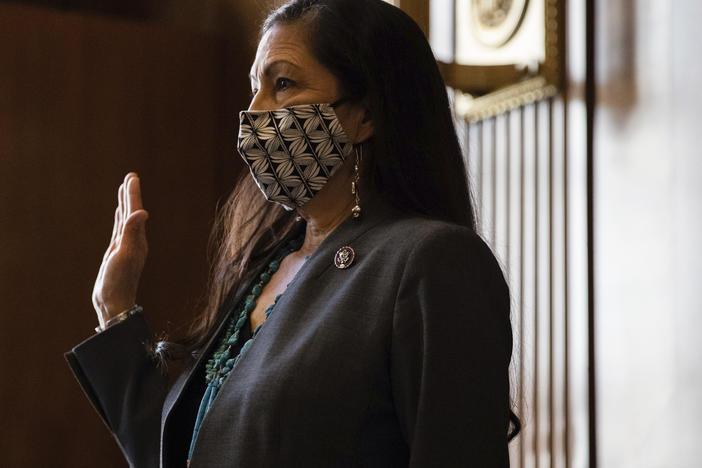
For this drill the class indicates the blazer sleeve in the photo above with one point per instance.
(125, 385)
(450, 352)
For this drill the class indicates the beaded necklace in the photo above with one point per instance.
(220, 365)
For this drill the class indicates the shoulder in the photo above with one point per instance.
(430, 248)
(449, 269)
(401, 244)
(419, 237)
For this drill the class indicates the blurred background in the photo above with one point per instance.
(588, 183)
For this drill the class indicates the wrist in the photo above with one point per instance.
(125, 314)
(110, 310)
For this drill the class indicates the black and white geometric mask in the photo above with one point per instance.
(292, 152)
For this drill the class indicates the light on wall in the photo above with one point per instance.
(498, 54)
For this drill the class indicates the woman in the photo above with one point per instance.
(356, 319)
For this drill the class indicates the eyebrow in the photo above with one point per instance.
(270, 66)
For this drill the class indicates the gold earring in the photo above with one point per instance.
(356, 210)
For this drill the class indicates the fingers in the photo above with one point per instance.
(115, 232)
(128, 198)
(115, 226)
(125, 199)
(122, 209)
(135, 194)
(135, 218)
(133, 215)
(131, 195)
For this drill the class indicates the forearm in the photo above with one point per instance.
(118, 374)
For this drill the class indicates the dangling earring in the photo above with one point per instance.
(356, 210)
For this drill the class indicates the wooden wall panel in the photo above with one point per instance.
(531, 175)
(83, 101)
(518, 164)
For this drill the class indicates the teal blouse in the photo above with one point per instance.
(224, 358)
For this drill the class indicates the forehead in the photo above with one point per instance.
(283, 43)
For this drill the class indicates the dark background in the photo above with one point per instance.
(88, 92)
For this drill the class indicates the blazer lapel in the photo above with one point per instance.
(178, 387)
(375, 210)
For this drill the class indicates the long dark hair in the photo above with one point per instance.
(381, 58)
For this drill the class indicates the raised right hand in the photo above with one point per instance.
(118, 279)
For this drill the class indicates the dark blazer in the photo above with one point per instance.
(399, 360)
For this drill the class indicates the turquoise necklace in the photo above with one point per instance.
(221, 363)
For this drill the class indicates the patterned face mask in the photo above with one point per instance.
(292, 152)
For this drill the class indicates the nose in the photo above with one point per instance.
(254, 104)
(261, 102)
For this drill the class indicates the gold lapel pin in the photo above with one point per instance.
(344, 257)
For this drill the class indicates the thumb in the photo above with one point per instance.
(136, 223)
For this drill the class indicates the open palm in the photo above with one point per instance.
(118, 279)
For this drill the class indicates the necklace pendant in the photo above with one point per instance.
(344, 257)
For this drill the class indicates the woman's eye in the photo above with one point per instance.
(281, 84)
